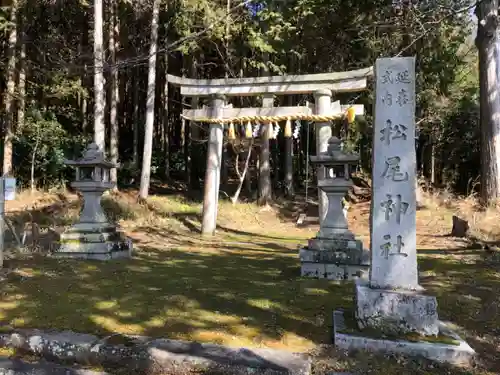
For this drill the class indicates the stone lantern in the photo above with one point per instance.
(93, 237)
(334, 253)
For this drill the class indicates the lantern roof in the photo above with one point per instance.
(92, 157)
(335, 154)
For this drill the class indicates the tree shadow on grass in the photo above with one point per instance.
(192, 221)
(227, 292)
(224, 294)
(217, 296)
(467, 289)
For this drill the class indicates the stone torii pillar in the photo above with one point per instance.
(323, 134)
(212, 175)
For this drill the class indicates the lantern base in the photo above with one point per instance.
(330, 271)
(99, 241)
(341, 258)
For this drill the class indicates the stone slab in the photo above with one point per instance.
(332, 256)
(398, 312)
(333, 272)
(95, 250)
(91, 228)
(18, 367)
(313, 270)
(360, 271)
(329, 233)
(94, 247)
(393, 214)
(93, 256)
(162, 355)
(458, 355)
(93, 237)
(335, 244)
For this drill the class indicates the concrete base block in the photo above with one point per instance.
(335, 244)
(313, 270)
(339, 255)
(95, 246)
(460, 354)
(333, 271)
(93, 256)
(395, 312)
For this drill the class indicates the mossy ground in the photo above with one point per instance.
(241, 287)
(351, 328)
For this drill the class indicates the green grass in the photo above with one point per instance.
(235, 294)
(240, 288)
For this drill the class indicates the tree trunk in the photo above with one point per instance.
(241, 176)
(489, 70)
(84, 78)
(194, 149)
(99, 126)
(166, 120)
(10, 92)
(114, 34)
(136, 84)
(84, 109)
(265, 188)
(150, 106)
(275, 155)
(33, 158)
(224, 173)
(21, 85)
(433, 159)
(288, 165)
(135, 118)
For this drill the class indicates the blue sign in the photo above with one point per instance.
(255, 8)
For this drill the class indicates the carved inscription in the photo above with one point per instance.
(392, 170)
(394, 206)
(392, 132)
(387, 98)
(388, 77)
(388, 247)
(403, 77)
(403, 97)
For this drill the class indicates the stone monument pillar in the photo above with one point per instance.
(392, 303)
(394, 274)
(334, 253)
(93, 237)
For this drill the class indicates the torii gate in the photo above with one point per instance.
(322, 86)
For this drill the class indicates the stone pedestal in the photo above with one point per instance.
(93, 237)
(334, 253)
(94, 241)
(392, 313)
(395, 312)
(334, 258)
